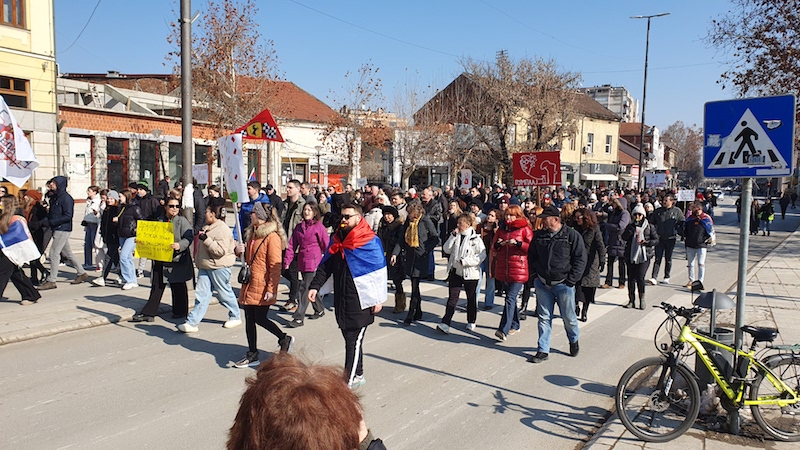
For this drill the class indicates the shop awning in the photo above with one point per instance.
(599, 177)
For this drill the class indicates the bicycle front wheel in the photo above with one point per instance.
(655, 402)
(780, 422)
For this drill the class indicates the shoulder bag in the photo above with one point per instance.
(244, 273)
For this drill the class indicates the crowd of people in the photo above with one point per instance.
(558, 245)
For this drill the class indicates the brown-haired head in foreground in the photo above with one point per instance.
(291, 405)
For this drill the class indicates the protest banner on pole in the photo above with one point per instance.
(17, 161)
(230, 150)
(153, 240)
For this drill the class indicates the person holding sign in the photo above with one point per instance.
(177, 272)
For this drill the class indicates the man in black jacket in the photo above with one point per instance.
(556, 261)
(668, 221)
(59, 219)
(355, 235)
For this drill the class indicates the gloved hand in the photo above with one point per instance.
(202, 236)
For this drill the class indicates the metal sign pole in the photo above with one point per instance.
(744, 243)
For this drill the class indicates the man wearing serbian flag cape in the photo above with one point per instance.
(355, 268)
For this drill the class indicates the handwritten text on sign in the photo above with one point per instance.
(153, 240)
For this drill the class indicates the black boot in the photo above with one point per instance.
(631, 302)
(641, 300)
(578, 309)
(583, 312)
(523, 311)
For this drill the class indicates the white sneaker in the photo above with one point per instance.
(666, 281)
(188, 328)
(358, 381)
(233, 323)
(652, 281)
(129, 286)
(99, 281)
(444, 328)
(471, 326)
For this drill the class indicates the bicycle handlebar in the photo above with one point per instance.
(686, 313)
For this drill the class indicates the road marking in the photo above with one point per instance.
(645, 328)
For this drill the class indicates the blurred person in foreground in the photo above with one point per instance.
(325, 413)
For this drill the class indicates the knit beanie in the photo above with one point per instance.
(260, 211)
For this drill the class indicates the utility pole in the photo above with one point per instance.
(186, 90)
(644, 95)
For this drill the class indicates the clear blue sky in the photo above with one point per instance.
(316, 48)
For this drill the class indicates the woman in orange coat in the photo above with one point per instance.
(266, 242)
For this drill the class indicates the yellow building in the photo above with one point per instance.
(28, 77)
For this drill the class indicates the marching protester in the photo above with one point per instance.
(419, 240)
(587, 226)
(59, 220)
(390, 232)
(90, 222)
(640, 239)
(558, 260)
(307, 244)
(487, 230)
(292, 215)
(260, 276)
(17, 249)
(126, 221)
(466, 252)
(668, 221)
(767, 215)
(356, 265)
(510, 246)
(177, 272)
(214, 259)
(618, 220)
(698, 233)
(109, 233)
(35, 213)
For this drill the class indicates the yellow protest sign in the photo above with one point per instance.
(153, 240)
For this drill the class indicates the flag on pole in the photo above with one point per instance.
(261, 127)
(252, 176)
(230, 150)
(17, 160)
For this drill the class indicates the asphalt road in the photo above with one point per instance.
(129, 386)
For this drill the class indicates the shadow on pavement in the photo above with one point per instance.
(225, 354)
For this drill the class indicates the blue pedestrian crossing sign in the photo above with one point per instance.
(752, 137)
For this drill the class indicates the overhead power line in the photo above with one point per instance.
(84, 27)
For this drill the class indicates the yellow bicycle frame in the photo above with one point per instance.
(695, 340)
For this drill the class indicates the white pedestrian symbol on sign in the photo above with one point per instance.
(747, 146)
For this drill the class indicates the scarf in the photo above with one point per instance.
(638, 253)
(356, 238)
(412, 233)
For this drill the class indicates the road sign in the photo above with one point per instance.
(537, 169)
(752, 137)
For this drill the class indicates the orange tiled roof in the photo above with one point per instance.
(589, 107)
(632, 129)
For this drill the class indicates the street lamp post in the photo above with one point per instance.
(644, 94)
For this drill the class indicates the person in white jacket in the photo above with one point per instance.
(91, 220)
(467, 251)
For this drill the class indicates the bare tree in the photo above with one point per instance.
(232, 66)
(688, 145)
(761, 39)
(358, 102)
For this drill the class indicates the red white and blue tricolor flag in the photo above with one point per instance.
(252, 176)
(363, 252)
(17, 244)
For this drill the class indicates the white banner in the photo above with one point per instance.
(466, 179)
(686, 195)
(17, 160)
(200, 173)
(655, 180)
(230, 150)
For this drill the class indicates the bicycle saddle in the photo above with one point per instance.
(761, 334)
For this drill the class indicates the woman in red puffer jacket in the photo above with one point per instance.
(510, 249)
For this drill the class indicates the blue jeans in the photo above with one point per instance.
(207, 281)
(126, 259)
(510, 317)
(488, 291)
(547, 297)
(88, 243)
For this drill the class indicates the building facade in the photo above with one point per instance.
(617, 99)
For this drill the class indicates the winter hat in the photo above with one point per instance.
(550, 211)
(34, 194)
(391, 210)
(260, 211)
(593, 197)
(639, 209)
(113, 194)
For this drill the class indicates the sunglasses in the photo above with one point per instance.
(348, 216)
(173, 206)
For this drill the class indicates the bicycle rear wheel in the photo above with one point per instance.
(782, 423)
(649, 412)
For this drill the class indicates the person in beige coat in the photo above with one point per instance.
(214, 260)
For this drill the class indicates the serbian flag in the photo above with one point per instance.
(17, 244)
(252, 176)
(262, 127)
(17, 160)
(363, 252)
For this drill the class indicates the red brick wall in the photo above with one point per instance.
(110, 121)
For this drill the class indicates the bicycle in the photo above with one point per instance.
(658, 398)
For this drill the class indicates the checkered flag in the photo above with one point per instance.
(270, 132)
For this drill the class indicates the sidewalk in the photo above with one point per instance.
(770, 302)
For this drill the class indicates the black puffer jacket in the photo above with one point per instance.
(650, 241)
(346, 303)
(126, 224)
(416, 259)
(62, 207)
